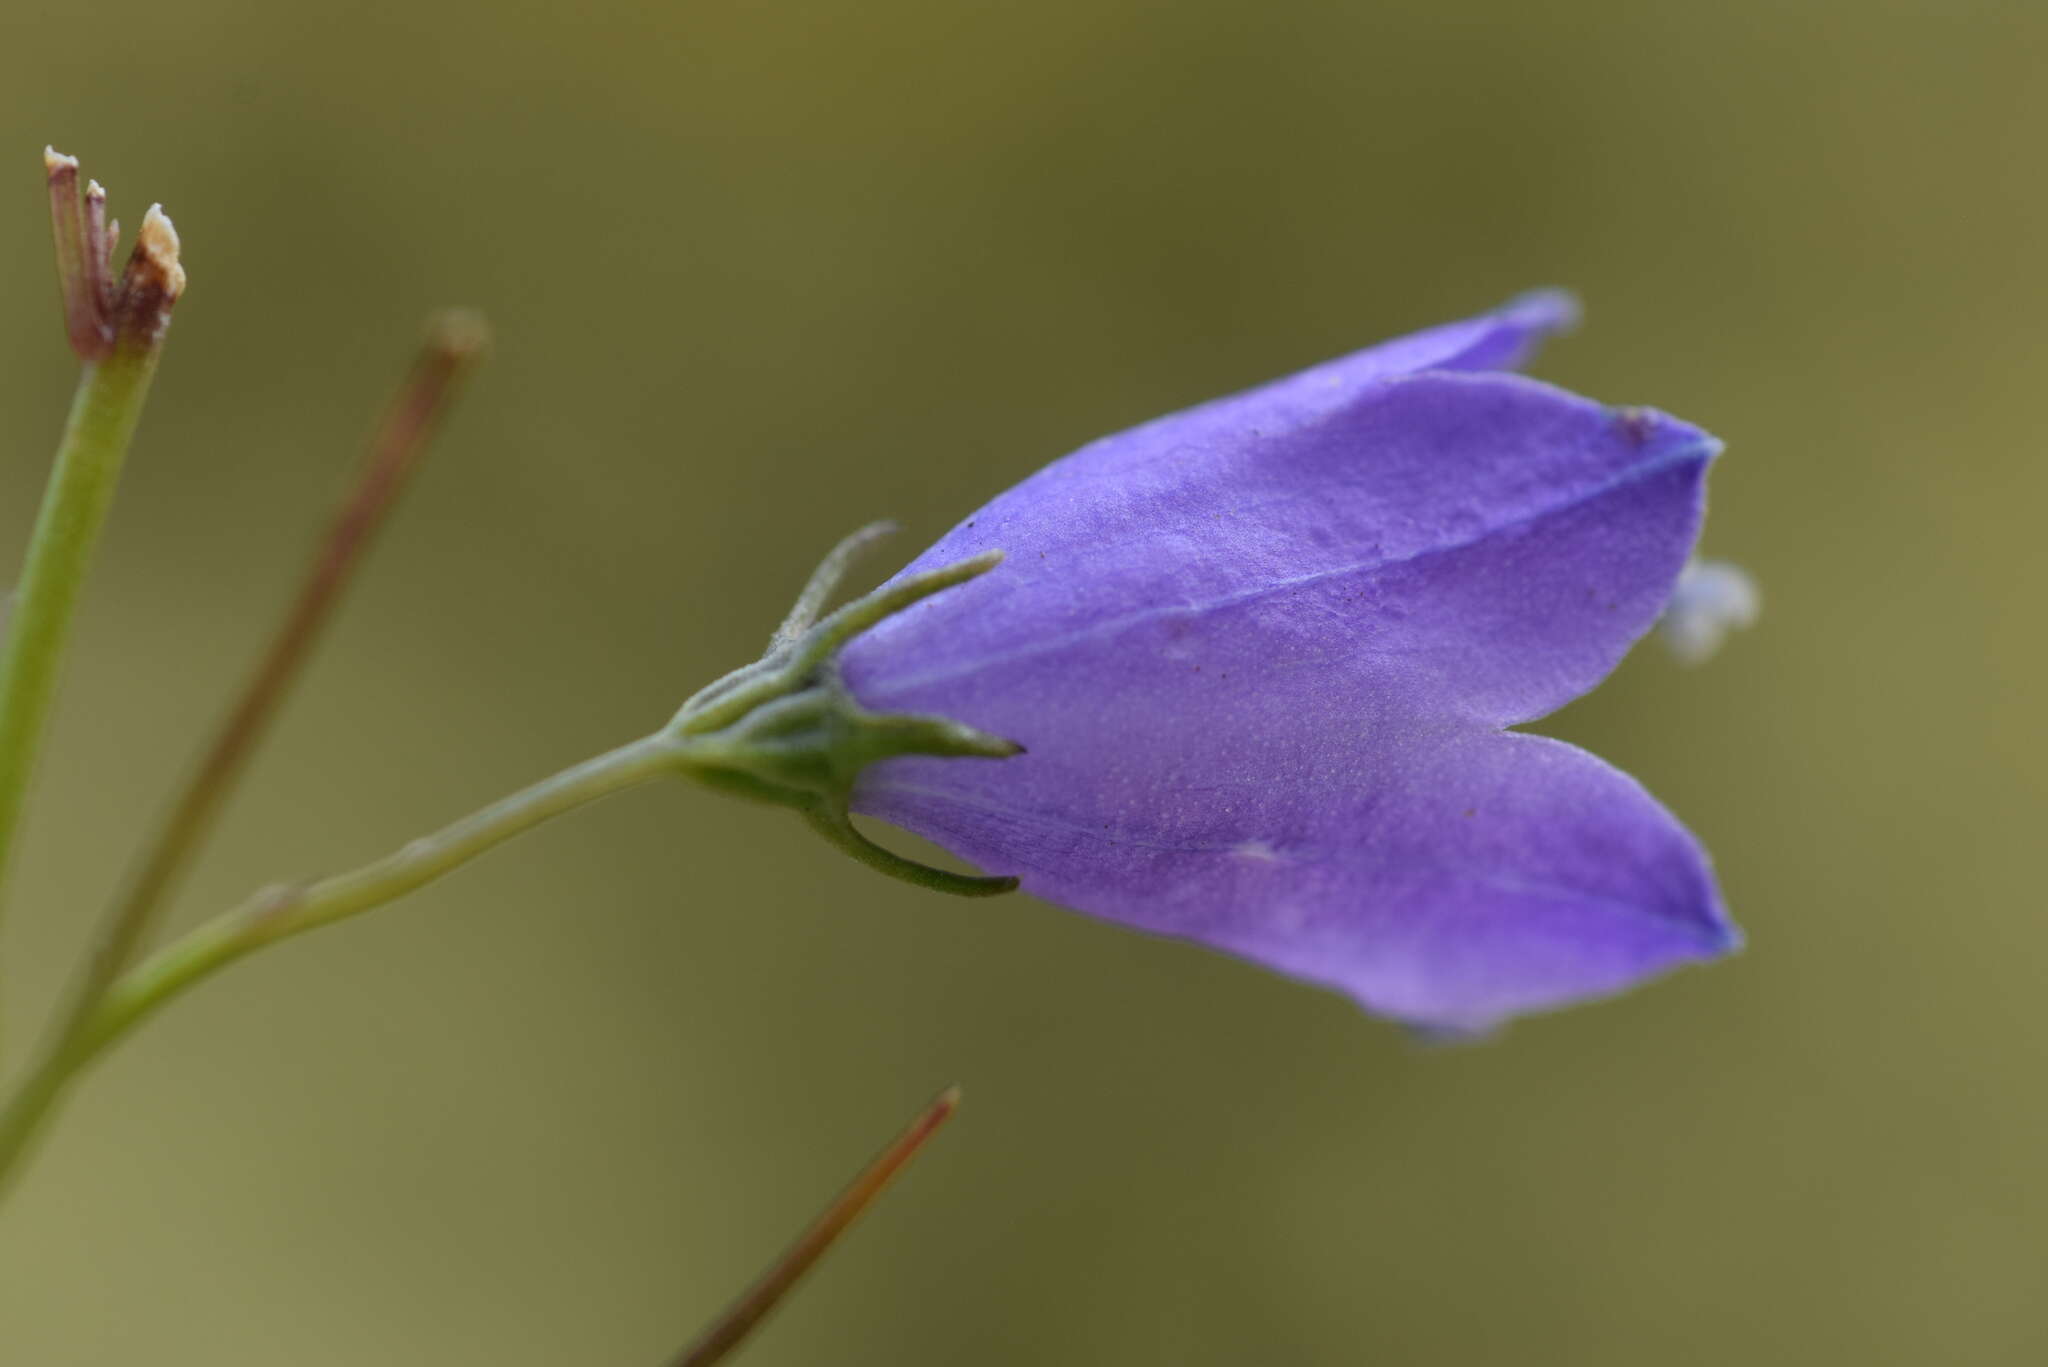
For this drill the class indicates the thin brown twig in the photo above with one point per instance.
(454, 342)
(753, 1306)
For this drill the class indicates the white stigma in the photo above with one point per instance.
(1711, 599)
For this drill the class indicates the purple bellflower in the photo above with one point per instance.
(1262, 658)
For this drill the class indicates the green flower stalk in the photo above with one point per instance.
(783, 730)
(455, 341)
(117, 330)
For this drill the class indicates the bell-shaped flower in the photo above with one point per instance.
(1263, 658)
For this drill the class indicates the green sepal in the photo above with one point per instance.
(786, 730)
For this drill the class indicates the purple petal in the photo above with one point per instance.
(1500, 340)
(1478, 545)
(1446, 879)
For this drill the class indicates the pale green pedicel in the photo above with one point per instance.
(104, 414)
(117, 332)
(783, 730)
(88, 466)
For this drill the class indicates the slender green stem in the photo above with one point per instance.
(103, 417)
(454, 342)
(278, 913)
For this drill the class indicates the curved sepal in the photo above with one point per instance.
(786, 730)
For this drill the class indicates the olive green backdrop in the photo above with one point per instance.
(760, 272)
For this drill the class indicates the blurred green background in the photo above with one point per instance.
(760, 272)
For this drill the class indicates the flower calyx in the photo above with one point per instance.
(787, 730)
(106, 311)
